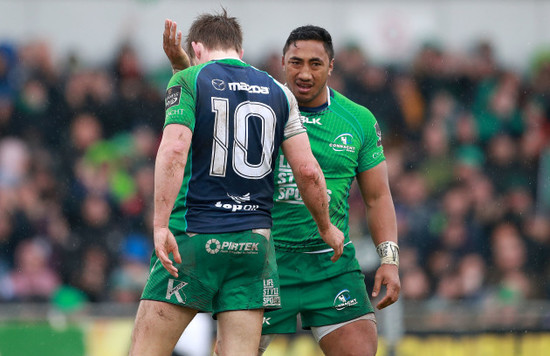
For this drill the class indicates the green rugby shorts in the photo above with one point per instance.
(319, 300)
(219, 272)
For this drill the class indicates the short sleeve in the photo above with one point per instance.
(372, 152)
(294, 124)
(180, 100)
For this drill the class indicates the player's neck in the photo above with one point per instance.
(322, 100)
(213, 55)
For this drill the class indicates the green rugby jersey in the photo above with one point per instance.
(346, 139)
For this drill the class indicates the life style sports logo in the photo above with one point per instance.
(287, 190)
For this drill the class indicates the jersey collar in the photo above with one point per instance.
(322, 107)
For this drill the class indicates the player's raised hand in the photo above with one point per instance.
(335, 239)
(387, 275)
(171, 43)
(165, 243)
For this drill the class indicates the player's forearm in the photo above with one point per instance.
(313, 190)
(381, 219)
(169, 170)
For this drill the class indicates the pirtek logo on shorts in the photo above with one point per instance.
(213, 246)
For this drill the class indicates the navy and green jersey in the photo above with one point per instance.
(345, 139)
(239, 117)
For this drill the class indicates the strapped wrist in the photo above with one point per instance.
(388, 251)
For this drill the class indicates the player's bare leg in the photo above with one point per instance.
(359, 338)
(158, 328)
(239, 332)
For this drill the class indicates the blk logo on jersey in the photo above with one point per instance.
(173, 96)
(312, 120)
(343, 300)
(343, 143)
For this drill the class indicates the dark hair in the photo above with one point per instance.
(310, 32)
(215, 31)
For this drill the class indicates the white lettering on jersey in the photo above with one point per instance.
(256, 89)
(313, 120)
(237, 207)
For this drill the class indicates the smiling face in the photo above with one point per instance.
(307, 67)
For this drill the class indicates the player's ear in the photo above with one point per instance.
(241, 54)
(283, 62)
(198, 48)
(331, 66)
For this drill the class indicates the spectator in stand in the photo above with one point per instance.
(31, 280)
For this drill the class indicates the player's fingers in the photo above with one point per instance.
(167, 263)
(169, 266)
(393, 292)
(337, 253)
(163, 257)
(166, 32)
(176, 253)
(173, 31)
(171, 269)
(178, 39)
(377, 285)
(384, 303)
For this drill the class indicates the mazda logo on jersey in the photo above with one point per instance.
(218, 84)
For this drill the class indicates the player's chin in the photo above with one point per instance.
(303, 98)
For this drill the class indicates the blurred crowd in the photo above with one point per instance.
(467, 142)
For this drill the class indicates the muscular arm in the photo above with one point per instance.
(313, 190)
(375, 190)
(169, 168)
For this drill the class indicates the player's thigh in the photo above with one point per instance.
(358, 338)
(239, 332)
(250, 279)
(158, 326)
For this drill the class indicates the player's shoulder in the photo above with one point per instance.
(187, 75)
(345, 106)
